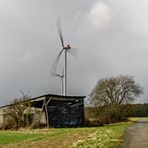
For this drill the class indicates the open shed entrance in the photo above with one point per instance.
(62, 111)
(65, 113)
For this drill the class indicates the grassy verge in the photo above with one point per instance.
(108, 136)
(135, 119)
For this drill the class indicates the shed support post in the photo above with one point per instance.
(46, 110)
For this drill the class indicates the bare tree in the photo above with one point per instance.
(115, 90)
(13, 113)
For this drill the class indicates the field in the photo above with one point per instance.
(108, 136)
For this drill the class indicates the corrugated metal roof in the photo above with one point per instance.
(54, 96)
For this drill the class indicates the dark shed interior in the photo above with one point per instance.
(61, 111)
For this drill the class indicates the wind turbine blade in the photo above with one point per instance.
(63, 72)
(73, 52)
(55, 74)
(54, 67)
(60, 31)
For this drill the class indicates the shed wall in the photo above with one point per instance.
(66, 113)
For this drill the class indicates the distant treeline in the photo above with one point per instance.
(138, 110)
(114, 113)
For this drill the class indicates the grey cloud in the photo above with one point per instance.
(29, 43)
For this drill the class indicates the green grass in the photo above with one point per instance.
(7, 137)
(108, 136)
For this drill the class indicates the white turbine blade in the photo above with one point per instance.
(73, 52)
(55, 74)
(54, 67)
(60, 31)
(63, 72)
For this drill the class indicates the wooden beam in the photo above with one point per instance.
(46, 105)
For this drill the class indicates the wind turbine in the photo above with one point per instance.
(66, 49)
(61, 76)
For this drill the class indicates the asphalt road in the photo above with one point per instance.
(137, 135)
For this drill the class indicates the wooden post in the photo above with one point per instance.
(46, 115)
(46, 105)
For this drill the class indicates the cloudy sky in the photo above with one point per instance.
(111, 35)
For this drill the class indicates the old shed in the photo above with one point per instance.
(61, 111)
(55, 110)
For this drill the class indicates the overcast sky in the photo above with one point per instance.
(111, 35)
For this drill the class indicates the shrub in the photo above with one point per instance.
(107, 114)
(13, 114)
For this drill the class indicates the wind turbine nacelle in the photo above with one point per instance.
(67, 47)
